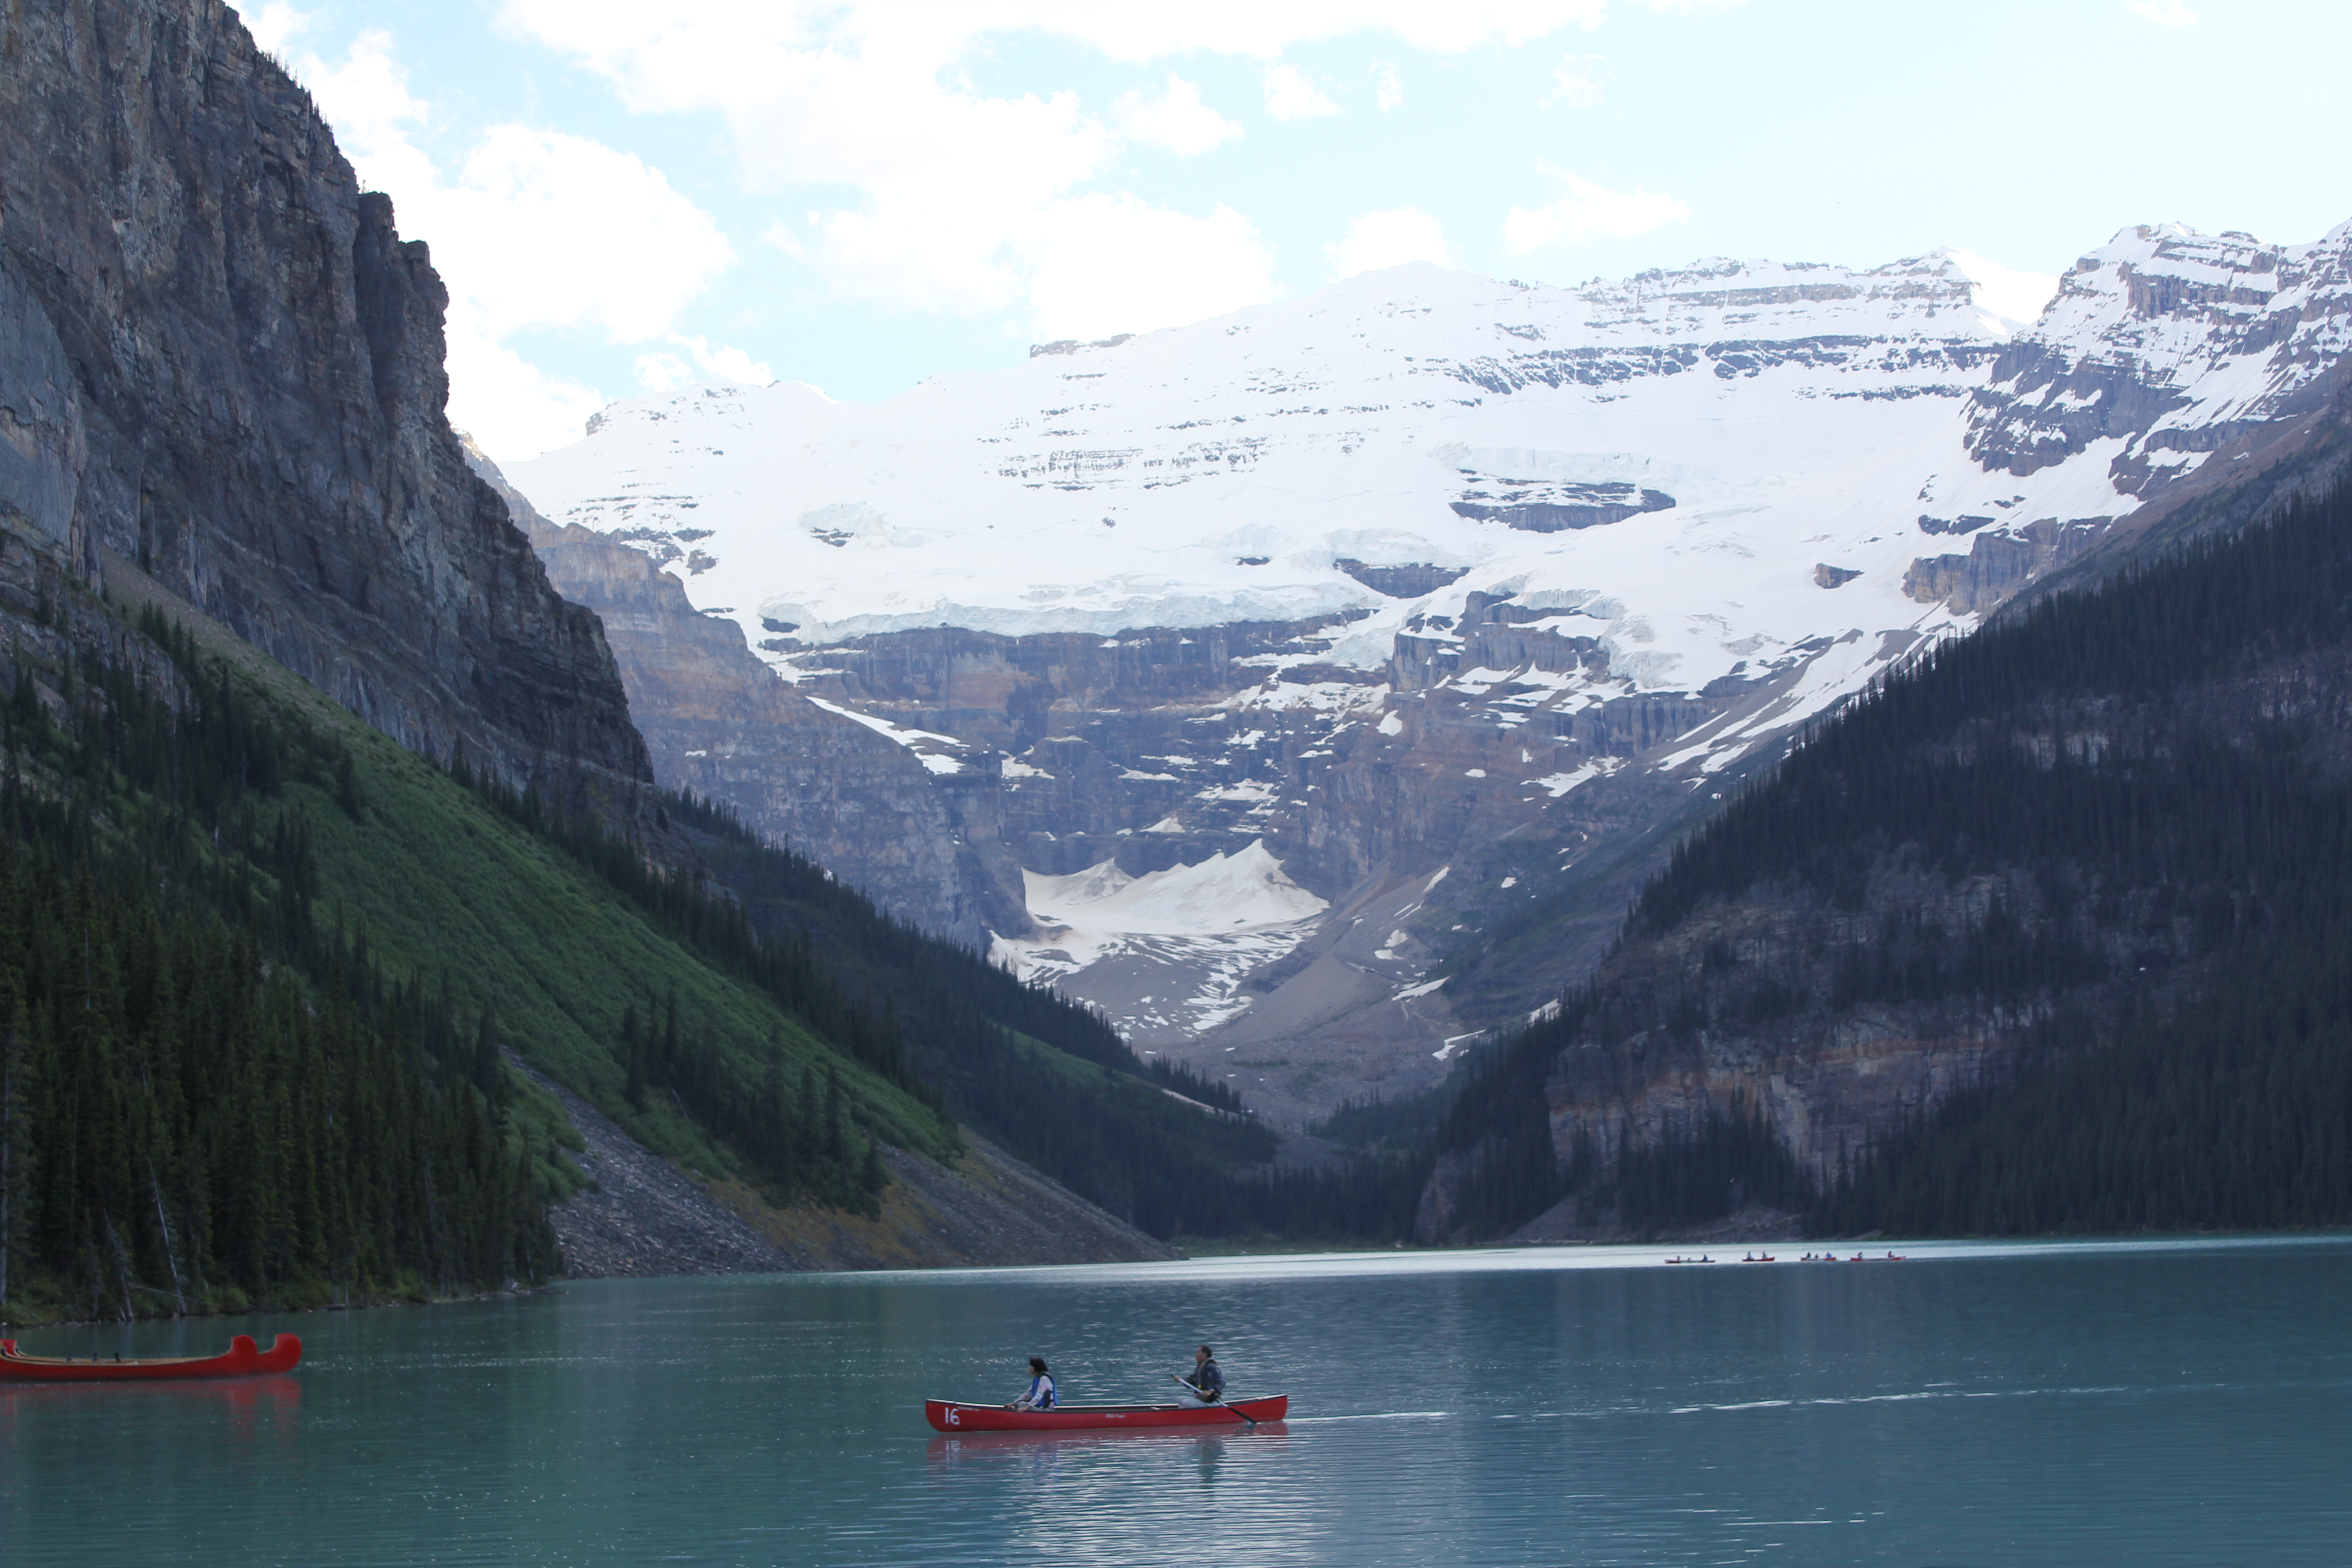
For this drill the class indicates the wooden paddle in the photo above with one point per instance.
(1218, 1401)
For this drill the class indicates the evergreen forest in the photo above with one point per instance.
(208, 1097)
(2155, 775)
(275, 993)
(268, 984)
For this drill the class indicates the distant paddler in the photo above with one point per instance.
(1040, 1394)
(1207, 1383)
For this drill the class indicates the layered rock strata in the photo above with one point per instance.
(1457, 599)
(218, 359)
(717, 722)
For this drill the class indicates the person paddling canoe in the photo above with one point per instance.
(1208, 1380)
(1040, 1395)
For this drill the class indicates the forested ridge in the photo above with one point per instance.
(206, 1096)
(232, 1070)
(217, 1087)
(259, 972)
(2118, 829)
(1048, 1078)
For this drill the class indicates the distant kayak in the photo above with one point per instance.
(950, 1415)
(243, 1359)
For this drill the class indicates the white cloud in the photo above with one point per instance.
(1261, 29)
(1291, 94)
(1176, 119)
(512, 407)
(950, 189)
(662, 370)
(365, 95)
(1113, 263)
(2016, 298)
(536, 229)
(1389, 238)
(957, 201)
(1388, 87)
(2164, 13)
(1585, 210)
(547, 230)
(1579, 82)
(276, 24)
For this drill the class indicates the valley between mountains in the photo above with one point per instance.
(1310, 689)
(1754, 748)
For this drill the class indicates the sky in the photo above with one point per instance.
(624, 198)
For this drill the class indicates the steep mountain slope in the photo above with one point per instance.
(2048, 934)
(219, 359)
(259, 970)
(851, 797)
(321, 802)
(1430, 601)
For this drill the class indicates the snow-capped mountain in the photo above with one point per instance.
(1349, 617)
(1259, 467)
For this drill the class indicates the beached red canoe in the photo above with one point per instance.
(245, 1359)
(949, 1416)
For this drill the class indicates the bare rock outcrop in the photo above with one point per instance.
(644, 1216)
(717, 722)
(218, 359)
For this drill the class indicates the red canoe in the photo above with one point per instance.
(949, 1416)
(244, 1360)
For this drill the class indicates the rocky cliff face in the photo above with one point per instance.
(717, 722)
(2125, 355)
(1453, 600)
(2060, 842)
(219, 359)
(1844, 1019)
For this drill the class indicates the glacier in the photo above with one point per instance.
(1520, 547)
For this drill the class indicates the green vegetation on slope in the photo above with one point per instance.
(178, 1132)
(384, 919)
(2159, 766)
(293, 931)
(2204, 821)
(1049, 1081)
(444, 883)
(206, 1099)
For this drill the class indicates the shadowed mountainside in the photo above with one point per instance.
(218, 359)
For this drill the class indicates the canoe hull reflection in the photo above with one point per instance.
(952, 1416)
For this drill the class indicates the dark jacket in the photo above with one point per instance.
(1208, 1379)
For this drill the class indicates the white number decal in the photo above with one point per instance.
(955, 1416)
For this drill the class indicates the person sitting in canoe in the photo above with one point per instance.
(1041, 1388)
(1208, 1380)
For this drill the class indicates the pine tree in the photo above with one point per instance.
(16, 1150)
(632, 1054)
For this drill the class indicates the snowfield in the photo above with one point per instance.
(1225, 471)
(1738, 472)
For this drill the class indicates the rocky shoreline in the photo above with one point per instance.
(644, 1217)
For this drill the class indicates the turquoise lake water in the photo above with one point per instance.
(2137, 1403)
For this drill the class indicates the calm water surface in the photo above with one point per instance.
(2141, 1403)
